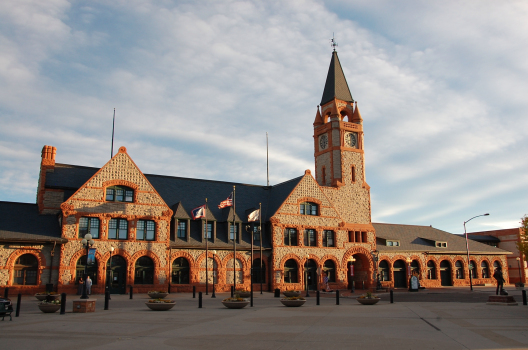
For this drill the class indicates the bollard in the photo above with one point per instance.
(194, 292)
(251, 294)
(232, 291)
(107, 298)
(213, 295)
(63, 303)
(199, 300)
(131, 292)
(337, 296)
(19, 300)
(169, 288)
(6, 293)
(363, 285)
(277, 293)
(391, 297)
(524, 296)
(317, 297)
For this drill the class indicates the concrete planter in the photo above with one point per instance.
(160, 306)
(157, 295)
(235, 304)
(367, 301)
(243, 294)
(291, 294)
(42, 297)
(49, 308)
(292, 303)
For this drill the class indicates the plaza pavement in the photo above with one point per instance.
(447, 318)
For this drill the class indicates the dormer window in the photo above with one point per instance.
(393, 243)
(119, 194)
(308, 208)
(441, 244)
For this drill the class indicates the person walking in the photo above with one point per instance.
(325, 282)
(88, 285)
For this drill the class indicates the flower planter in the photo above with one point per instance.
(160, 306)
(368, 301)
(291, 293)
(243, 293)
(292, 303)
(42, 297)
(235, 304)
(157, 295)
(49, 308)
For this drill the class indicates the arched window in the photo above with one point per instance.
(431, 270)
(485, 269)
(329, 268)
(91, 270)
(180, 271)
(384, 271)
(259, 275)
(290, 271)
(496, 265)
(473, 268)
(415, 267)
(119, 194)
(144, 273)
(290, 236)
(459, 266)
(308, 208)
(26, 270)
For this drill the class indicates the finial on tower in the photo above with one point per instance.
(333, 42)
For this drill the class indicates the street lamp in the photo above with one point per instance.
(87, 242)
(467, 249)
(352, 260)
(214, 274)
(521, 284)
(109, 277)
(409, 261)
(306, 274)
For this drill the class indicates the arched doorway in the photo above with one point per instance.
(144, 271)
(459, 266)
(485, 269)
(329, 268)
(116, 273)
(290, 271)
(358, 271)
(384, 271)
(473, 269)
(445, 273)
(310, 274)
(259, 275)
(180, 271)
(431, 270)
(26, 270)
(415, 267)
(400, 280)
(91, 270)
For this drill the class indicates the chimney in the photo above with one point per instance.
(47, 164)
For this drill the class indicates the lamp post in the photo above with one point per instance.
(109, 278)
(87, 242)
(352, 260)
(467, 249)
(214, 274)
(306, 274)
(408, 261)
(521, 284)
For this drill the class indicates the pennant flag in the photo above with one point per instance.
(254, 216)
(198, 212)
(227, 203)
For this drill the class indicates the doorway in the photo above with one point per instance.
(399, 274)
(116, 273)
(445, 273)
(310, 273)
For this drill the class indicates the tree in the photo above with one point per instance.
(522, 245)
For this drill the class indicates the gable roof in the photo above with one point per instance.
(422, 238)
(21, 222)
(336, 85)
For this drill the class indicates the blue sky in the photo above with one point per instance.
(196, 85)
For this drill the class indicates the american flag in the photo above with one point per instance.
(227, 203)
(198, 212)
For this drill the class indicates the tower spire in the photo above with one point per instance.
(336, 85)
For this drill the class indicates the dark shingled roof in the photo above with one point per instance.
(336, 84)
(423, 238)
(483, 238)
(21, 222)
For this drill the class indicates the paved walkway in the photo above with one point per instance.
(441, 319)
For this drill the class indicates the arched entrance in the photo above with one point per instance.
(26, 270)
(310, 274)
(399, 274)
(358, 271)
(445, 273)
(116, 273)
(180, 271)
(91, 270)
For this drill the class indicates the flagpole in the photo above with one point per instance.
(260, 236)
(113, 126)
(206, 234)
(251, 232)
(267, 158)
(234, 241)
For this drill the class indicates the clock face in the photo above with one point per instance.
(351, 139)
(323, 141)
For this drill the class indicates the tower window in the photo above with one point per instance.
(323, 175)
(353, 173)
(308, 208)
(119, 194)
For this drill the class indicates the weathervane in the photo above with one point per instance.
(334, 43)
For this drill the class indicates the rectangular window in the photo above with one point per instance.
(109, 194)
(364, 237)
(118, 229)
(351, 236)
(232, 230)
(353, 173)
(328, 238)
(309, 238)
(256, 234)
(182, 229)
(358, 237)
(129, 196)
(209, 232)
(290, 237)
(89, 225)
(145, 230)
(119, 195)
(308, 208)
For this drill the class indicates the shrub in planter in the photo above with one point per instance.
(49, 306)
(235, 303)
(293, 301)
(160, 304)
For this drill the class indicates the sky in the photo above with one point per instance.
(441, 86)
